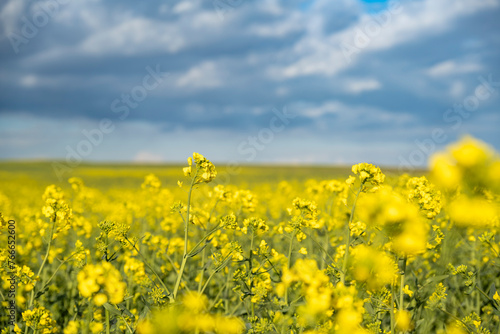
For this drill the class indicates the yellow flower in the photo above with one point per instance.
(372, 266)
(444, 171)
(473, 212)
(205, 170)
(496, 296)
(40, 320)
(470, 152)
(101, 277)
(195, 302)
(100, 299)
(407, 291)
(403, 321)
(369, 173)
(303, 251)
(71, 328)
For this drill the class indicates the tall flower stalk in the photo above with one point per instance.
(204, 173)
(368, 174)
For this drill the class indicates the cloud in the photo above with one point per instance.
(205, 75)
(359, 86)
(146, 156)
(227, 73)
(451, 67)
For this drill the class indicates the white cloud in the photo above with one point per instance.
(293, 23)
(324, 55)
(359, 86)
(10, 14)
(204, 75)
(146, 156)
(457, 89)
(135, 36)
(451, 67)
(352, 114)
(184, 6)
(28, 81)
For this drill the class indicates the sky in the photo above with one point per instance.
(247, 81)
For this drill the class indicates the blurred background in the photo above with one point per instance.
(247, 81)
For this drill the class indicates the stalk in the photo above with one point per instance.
(401, 295)
(32, 297)
(200, 283)
(348, 238)
(150, 268)
(186, 224)
(289, 263)
(203, 253)
(107, 320)
(393, 320)
(251, 273)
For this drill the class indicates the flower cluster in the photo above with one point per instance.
(102, 282)
(56, 208)
(369, 173)
(308, 211)
(401, 220)
(256, 225)
(191, 316)
(314, 285)
(471, 170)
(205, 170)
(469, 163)
(40, 320)
(425, 195)
(373, 267)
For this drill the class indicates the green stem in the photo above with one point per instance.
(402, 283)
(208, 280)
(321, 246)
(32, 297)
(107, 321)
(89, 318)
(401, 294)
(348, 238)
(150, 268)
(471, 330)
(250, 256)
(55, 272)
(203, 253)
(126, 324)
(391, 309)
(200, 283)
(289, 263)
(179, 276)
(186, 225)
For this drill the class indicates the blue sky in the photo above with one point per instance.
(268, 81)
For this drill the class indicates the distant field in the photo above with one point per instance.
(140, 249)
(126, 175)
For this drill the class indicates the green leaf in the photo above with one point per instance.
(112, 309)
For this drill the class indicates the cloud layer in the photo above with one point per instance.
(363, 82)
